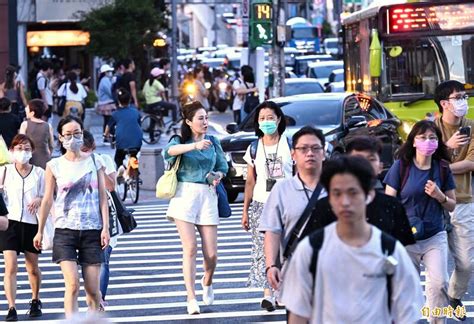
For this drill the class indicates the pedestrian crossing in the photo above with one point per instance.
(146, 283)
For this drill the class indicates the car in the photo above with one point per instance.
(301, 62)
(301, 86)
(335, 81)
(321, 70)
(340, 116)
(331, 46)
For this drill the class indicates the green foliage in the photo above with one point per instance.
(91, 99)
(123, 28)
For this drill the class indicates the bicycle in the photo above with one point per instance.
(154, 125)
(128, 180)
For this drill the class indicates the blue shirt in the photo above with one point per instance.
(196, 164)
(128, 133)
(413, 196)
(105, 91)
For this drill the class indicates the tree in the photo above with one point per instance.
(124, 28)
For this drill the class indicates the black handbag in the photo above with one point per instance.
(124, 215)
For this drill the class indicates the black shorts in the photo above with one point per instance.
(19, 237)
(81, 246)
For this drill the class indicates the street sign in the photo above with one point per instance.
(245, 8)
(261, 15)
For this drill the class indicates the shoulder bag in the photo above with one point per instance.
(168, 182)
(222, 201)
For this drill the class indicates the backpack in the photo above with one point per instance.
(35, 92)
(253, 152)
(251, 101)
(316, 240)
(405, 172)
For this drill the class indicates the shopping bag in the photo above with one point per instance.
(48, 234)
(124, 215)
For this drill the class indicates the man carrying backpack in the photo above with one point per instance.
(350, 271)
(244, 88)
(42, 88)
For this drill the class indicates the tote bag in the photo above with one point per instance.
(166, 185)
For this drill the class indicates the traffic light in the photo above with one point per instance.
(261, 15)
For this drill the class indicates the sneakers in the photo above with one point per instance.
(12, 315)
(207, 293)
(193, 307)
(268, 303)
(455, 303)
(35, 308)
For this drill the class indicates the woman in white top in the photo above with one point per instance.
(81, 215)
(75, 94)
(268, 162)
(202, 93)
(23, 186)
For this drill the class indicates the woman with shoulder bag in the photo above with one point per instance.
(23, 187)
(81, 215)
(194, 205)
(14, 90)
(75, 94)
(267, 162)
(424, 183)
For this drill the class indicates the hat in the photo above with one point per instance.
(106, 68)
(156, 72)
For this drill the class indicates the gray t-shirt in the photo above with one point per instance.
(284, 207)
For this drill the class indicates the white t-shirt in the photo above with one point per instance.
(238, 99)
(19, 192)
(107, 162)
(71, 96)
(77, 204)
(43, 83)
(270, 164)
(351, 283)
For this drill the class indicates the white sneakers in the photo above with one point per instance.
(207, 293)
(268, 303)
(193, 307)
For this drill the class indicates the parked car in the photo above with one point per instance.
(301, 86)
(335, 82)
(339, 115)
(301, 62)
(321, 70)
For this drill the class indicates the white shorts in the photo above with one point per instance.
(194, 203)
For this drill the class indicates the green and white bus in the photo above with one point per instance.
(401, 52)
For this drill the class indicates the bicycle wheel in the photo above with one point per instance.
(122, 188)
(134, 188)
(152, 129)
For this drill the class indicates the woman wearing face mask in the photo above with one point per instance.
(423, 182)
(23, 186)
(106, 105)
(268, 161)
(81, 212)
(194, 205)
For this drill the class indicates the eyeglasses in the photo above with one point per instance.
(424, 138)
(77, 135)
(459, 97)
(306, 149)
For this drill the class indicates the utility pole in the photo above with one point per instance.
(277, 54)
(174, 52)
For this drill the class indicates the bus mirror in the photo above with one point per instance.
(375, 55)
(395, 51)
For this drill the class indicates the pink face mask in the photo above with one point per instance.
(427, 147)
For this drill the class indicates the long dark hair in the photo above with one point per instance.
(407, 152)
(66, 120)
(277, 110)
(10, 77)
(189, 110)
(72, 77)
(247, 74)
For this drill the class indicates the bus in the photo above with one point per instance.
(304, 36)
(401, 52)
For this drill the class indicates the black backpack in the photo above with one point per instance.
(251, 101)
(35, 92)
(316, 240)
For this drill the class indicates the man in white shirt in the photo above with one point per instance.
(347, 279)
(43, 84)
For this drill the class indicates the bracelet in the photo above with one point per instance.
(268, 268)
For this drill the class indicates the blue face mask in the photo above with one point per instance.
(268, 127)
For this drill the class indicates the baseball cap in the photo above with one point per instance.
(156, 72)
(106, 68)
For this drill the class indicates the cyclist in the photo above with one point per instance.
(154, 93)
(125, 123)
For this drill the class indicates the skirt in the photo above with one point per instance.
(194, 203)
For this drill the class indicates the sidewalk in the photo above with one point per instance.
(93, 122)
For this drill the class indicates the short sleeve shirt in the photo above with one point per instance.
(65, 90)
(77, 204)
(128, 132)
(238, 99)
(44, 84)
(414, 198)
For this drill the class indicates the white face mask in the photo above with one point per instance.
(21, 157)
(73, 144)
(460, 108)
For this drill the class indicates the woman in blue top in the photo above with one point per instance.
(125, 123)
(423, 182)
(106, 105)
(194, 205)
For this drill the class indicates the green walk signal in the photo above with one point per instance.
(261, 15)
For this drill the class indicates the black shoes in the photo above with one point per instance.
(459, 313)
(12, 315)
(35, 308)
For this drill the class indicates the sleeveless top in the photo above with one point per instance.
(12, 94)
(39, 133)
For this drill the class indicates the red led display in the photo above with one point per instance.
(413, 18)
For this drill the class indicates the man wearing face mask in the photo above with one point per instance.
(451, 98)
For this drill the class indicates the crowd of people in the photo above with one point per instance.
(330, 242)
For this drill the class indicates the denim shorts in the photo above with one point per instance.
(81, 246)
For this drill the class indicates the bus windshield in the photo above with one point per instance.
(424, 62)
(304, 32)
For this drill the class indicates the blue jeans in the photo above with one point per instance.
(104, 272)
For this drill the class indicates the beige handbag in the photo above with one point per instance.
(167, 183)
